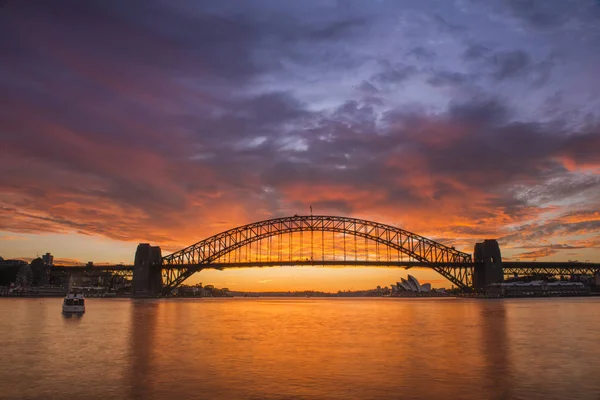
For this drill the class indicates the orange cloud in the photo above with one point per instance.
(535, 254)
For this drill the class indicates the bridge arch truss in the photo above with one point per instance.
(452, 264)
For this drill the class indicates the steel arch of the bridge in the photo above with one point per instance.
(202, 254)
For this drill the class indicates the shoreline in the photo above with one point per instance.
(458, 296)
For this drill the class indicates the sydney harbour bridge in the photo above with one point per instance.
(331, 241)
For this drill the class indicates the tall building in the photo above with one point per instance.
(48, 259)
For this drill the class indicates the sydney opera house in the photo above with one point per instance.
(410, 285)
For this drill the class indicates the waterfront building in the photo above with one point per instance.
(12, 263)
(9, 269)
(410, 285)
(537, 288)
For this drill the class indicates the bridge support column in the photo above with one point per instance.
(147, 271)
(488, 264)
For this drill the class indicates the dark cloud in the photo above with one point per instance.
(207, 41)
(476, 51)
(367, 87)
(422, 54)
(394, 73)
(149, 119)
(553, 16)
(127, 33)
(447, 27)
(539, 13)
(582, 149)
(447, 78)
(481, 110)
(509, 64)
(338, 29)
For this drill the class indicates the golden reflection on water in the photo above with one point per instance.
(301, 348)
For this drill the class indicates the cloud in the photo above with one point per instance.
(447, 78)
(13, 237)
(338, 29)
(557, 247)
(550, 250)
(422, 53)
(476, 51)
(548, 15)
(393, 74)
(535, 254)
(167, 123)
(69, 261)
(574, 223)
(510, 64)
(505, 65)
(539, 14)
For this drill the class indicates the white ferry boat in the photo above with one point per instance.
(74, 303)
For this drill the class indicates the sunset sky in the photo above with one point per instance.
(166, 122)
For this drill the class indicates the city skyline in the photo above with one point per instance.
(458, 121)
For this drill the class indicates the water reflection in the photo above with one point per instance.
(301, 349)
(495, 349)
(315, 347)
(70, 318)
(144, 314)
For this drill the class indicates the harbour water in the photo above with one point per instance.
(268, 348)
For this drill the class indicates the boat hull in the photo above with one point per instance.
(73, 309)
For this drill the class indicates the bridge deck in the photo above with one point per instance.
(402, 264)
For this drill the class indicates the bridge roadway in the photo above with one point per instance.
(511, 267)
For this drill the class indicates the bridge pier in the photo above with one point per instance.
(147, 271)
(488, 264)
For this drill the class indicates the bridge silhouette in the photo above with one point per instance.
(322, 240)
